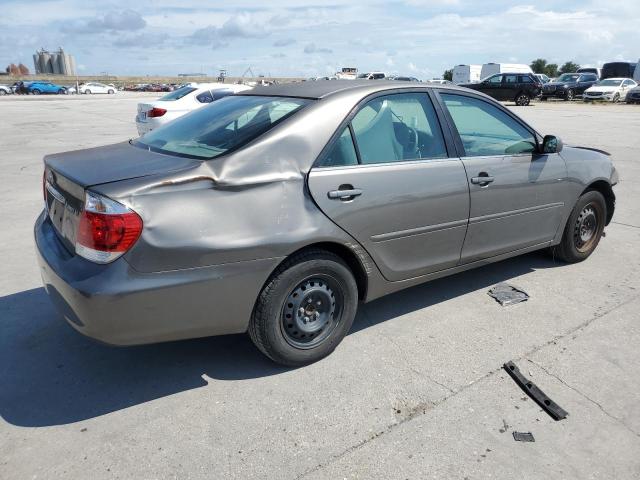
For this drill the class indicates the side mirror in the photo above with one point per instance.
(551, 144)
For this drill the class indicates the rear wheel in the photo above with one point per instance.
(305, 309)
(61, 91)
(522, 99)
(584, 228)
(2, 92)
(35, 91)
(570, 95)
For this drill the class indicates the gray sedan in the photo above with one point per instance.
(276, 210)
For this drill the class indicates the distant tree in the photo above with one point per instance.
(12, 69)
(551, 70)
(569, 67)
(24, 70)
(448, 75)
(540, 65)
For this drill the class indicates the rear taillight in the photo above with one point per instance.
(156, 112)
(107, 229)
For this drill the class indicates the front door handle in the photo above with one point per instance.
(344, 194)
(483, 179)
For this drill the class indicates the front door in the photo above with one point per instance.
(387, 180)
(517, 195)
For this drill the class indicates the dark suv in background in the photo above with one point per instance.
(516, 87)
(568, 86)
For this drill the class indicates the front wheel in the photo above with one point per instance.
(616, 98)
(584, 228)
(88, 92)
(305, 309)
(522, 100)
(35, 91)
(569, 96)
(111, 92)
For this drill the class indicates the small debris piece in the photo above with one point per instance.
(523, 437)
(507, 294)
(552, 408)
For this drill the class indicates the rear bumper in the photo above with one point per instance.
(117, 305)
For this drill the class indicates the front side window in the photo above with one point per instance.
(485, 130)
(398, 127)
(221, 127)
(495, 79)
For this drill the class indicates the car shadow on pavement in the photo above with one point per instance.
(52, 375)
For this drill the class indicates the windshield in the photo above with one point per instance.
(569, 77)
(610, 83)
(178, 94)
(223, 126)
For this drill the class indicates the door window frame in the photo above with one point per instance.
(456, 135)
(447, 134)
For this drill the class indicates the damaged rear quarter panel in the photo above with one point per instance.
(251, 204)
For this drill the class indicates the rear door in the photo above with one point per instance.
(388, 180)
(510, 87)
(517, 195)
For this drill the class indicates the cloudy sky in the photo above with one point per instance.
(308, 37)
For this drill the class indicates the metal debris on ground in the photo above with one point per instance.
(552, 408)
(508, 294)
(523, 437)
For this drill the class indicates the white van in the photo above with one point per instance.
(466, 74)
(489, 69)
(596, 70)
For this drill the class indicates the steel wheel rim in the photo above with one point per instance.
(311, 311)
(587, 227)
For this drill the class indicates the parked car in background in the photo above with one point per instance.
(372, 76)
(618, 70)
(37, 88)
(277, 210)
(568, 86)
(154, 114)
(542, 77)
(347, 73)
(467, 74)
(633, 95)
(5, 90)
(517, 87)
(610, 90)
(403, 79)
(95, 87)
(440, 81)
(489, 69)
(594, 70)
(636, 72)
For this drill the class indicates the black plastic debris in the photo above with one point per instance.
(552, 408)
(507, 294)
(523, 437)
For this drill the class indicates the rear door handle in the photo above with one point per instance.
(482, 180)
(347, 194)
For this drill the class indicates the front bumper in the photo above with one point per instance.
(557, 93)
(118, 305)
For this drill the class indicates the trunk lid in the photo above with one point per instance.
(113, 163)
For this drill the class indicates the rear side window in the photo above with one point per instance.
(223, 126)
(178, 94)
(342, 153)
(511, 78)
(205, 97)
(525, 79)
(399, 127)
(485, 130)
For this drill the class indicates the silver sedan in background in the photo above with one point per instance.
(276, 210)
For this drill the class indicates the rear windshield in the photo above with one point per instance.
(178, 94)
(220, 127)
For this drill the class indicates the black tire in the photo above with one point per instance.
(35, 91)
(584, 228)
(110, 92)
(616, 98)
(522, 99)
(570, 95)
(88, 92)
(61, 92)
(544, 99)
(325, 285)
(2, 92)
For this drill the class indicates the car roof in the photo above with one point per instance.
(324, 88)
